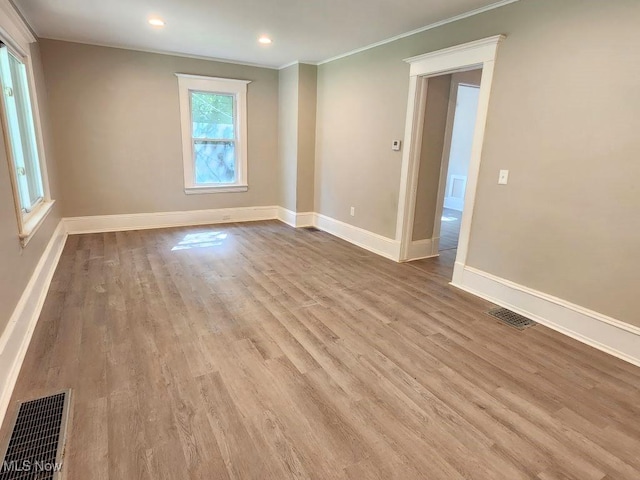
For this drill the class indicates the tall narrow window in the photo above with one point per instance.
(213, 117)
(21, 141)
(21, 130)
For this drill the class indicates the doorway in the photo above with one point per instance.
(456, 157)
(443, 163)
(460, 58)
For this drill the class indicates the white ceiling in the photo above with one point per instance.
(302, 30)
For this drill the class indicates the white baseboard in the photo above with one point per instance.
(419, 249)
(142, 221)
(612, 336)
(15, 339)
(297, 220)
(373, 242)
(383, 246)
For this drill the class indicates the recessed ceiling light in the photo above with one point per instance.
(156, 22)
(264, 40)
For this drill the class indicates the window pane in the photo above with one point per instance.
(13, 76)
(212, 115)
(215, 162)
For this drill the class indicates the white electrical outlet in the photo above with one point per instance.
(396, 145)
(353, 211)
(503, 178)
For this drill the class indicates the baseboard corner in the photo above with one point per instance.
(295, 219)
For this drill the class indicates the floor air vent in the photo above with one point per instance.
(311, 229)
(36, 445)
(511, 318)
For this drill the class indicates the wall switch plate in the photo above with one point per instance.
(395, 145)
(503, 177)
(353, 211)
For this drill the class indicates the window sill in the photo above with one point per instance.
(31, 226)
(220, 189)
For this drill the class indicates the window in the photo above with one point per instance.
(21, 143)
(213, 114)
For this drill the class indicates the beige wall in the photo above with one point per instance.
(117, 130)
(362, 102)
(16, 263)
(288, 136)
(563, 119)
(306, 136)
(297, 136)
(433, 142)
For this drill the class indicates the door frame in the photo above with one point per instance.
(468, 56)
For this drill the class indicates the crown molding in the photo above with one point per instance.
(431, 26)
(290, 64)
(163, 52)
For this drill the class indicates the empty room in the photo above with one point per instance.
(320, 240)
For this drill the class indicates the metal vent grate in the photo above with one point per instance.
(511, 318)
(311, 229)
(36, 444)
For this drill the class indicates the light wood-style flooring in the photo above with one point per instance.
(449, 229)
(258, 351)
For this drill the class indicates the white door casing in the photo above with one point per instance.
(473, 55)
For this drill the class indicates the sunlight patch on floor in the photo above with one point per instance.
(201, 240)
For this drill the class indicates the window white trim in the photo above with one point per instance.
(37, 217)
(17, 36)
(189, 83)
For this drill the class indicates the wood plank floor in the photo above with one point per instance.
(449, 229)
(257, 351)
